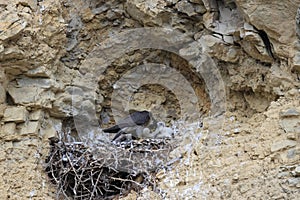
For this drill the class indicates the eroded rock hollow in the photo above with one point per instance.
(225, 72)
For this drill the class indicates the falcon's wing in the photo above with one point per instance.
(136, 118)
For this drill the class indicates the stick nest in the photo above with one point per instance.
(105, 170)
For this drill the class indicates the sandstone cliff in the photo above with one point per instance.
(232, 58)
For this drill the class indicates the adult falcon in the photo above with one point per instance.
(132, 124)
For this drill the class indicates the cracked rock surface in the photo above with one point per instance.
(48, 62)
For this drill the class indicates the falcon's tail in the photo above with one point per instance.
(113, 129)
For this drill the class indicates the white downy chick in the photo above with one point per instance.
(162, 131)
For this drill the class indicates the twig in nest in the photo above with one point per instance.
(105, 171)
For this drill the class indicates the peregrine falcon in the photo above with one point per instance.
(162, 131)
(132, 124)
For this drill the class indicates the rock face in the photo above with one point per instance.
(64, 59)
(15, 114)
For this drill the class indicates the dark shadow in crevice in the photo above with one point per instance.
(9, 100)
